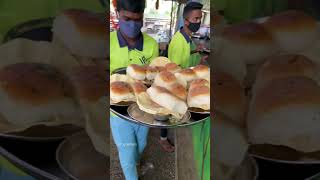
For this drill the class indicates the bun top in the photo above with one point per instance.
(199, 82)
(90, 82)
(87, 22)
(178, 90)
(121, 88)
(199, 91)
(247, 32)
(139, 87)
(166, 76)
(290, 20)
(137, 68)
(286, 65)
(34, 83)
(282, 92)
(172, 67)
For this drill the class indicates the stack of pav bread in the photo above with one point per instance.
(275, 63)
(172, 89)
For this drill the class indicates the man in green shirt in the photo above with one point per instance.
(183, 52)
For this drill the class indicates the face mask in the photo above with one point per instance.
(130, 28)
(194, 27)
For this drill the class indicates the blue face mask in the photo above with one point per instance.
(130, 28)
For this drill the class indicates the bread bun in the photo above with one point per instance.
(138, 87)
(199, 97)
(249, 41)
(293, 31)
(166, 99)
(287, 65)
(286, 112)
(82, 32)
(229, 97)
(199, 82)
(202, 71)
(136, 72)
(165, 79)
(187, 74)
(34, 92)
(152, 71)
(179, 91)
(172, 67)
(121, 91)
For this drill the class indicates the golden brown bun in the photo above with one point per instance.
(179, 91)
(199, 82)
(136, 72)
(121, 91)
(293, 30)
(34, 83)
(165, 79)
(229, 97)
(82, 32)
(152, 71)
(250, 42)
(34, 92)
(199, 97)
(187, 74)
(138, 87)
(90, 82)
(286, 112)
(172, 67)
(281, 66)
(166, 99)
(202, 71)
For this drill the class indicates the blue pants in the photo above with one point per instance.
(130, 139)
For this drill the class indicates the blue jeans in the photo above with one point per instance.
(9, 172)
(130, 139)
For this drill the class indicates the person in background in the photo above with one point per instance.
(182, 50)
(129, 45)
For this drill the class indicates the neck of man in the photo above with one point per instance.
(187, 31)
(130, 41)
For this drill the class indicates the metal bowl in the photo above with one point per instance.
(77, 157)
(161, 117)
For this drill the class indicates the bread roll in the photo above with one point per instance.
(166, 99)
(202, 71)
(286, 112)
(249, 41)
(138, 87)
(121, 91)
(229, 97)
(172, 67)
(199, 82)
(165, 79)
(187, 74)
(179, 91)
(136, 72)
(293, 31)
(199, 97)
(281, 66)
(34, 92)
(152, 71)
(82, 32)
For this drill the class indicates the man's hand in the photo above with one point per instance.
(204, 60)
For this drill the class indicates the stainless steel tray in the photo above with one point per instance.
(122, 111)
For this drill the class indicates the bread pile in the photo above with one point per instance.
(273, 64)
(172, 89)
